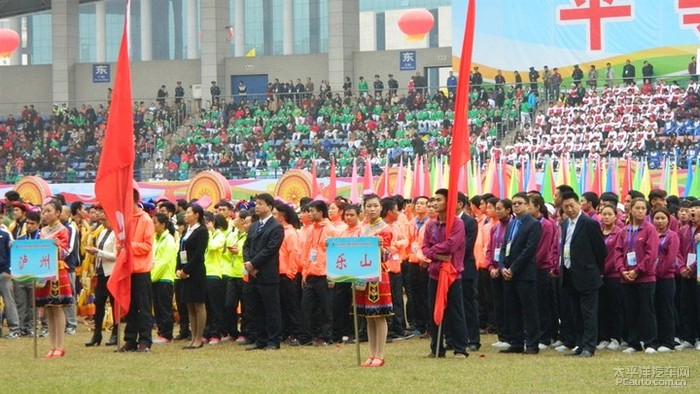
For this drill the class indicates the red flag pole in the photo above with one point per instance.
(459, 156)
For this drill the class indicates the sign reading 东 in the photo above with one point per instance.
(34, 260)
(100, 73)
(407, 60)
(354, 259)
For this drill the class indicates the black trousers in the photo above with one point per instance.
(521, 313)
(316, 297)
(291, 309)
(234, 296)
(640, 313)
(182, 311)
(567, 328)
(665, 312)
(215, 293)
(499, 309)
(453, 321)
(584, 305)
(677, 304)
(163, 308)
(545, 306)
(138, 321)
(611, 313)
(689, 310)
(342, 311)
(471, 314)
(397, 323)
(101, 296)
(419, 286)
(486, 314)
(266, 314)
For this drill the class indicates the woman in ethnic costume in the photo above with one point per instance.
(56, 294)
(374, 301)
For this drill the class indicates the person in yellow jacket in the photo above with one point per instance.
(214, 263)
(235, 285)
(163, 276)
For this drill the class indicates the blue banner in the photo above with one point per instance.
(407, 60)
(100, 73)
(34, 260)
(354, 259)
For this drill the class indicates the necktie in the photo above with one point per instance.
(569, 234)
(260, 227)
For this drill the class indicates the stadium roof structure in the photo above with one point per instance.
(10, 8)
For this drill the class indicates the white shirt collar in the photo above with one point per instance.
(575, 220)
(264, 221)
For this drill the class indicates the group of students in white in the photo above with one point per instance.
(519, 273)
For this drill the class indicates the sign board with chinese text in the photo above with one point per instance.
(34, 260)
(407, 60)
(353, 259)
(101, 73)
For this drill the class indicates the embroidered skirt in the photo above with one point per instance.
(55, 292)
(375, 299)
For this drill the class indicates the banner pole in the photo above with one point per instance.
(357, 328)
(36, 315)
(438, 342)
(118, 320)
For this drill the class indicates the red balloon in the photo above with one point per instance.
(416, 23)
(9, 41)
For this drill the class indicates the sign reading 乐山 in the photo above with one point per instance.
(354, 259)
(34, 260)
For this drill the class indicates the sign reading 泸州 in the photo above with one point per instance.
(34, 260)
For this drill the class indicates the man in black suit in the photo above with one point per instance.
(582, 258)
(519, 271)
(469, 275)
(261, 256)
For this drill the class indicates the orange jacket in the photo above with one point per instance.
(399, 247)
(142, 241)
(482, 242)
(289, 252)
(315, 239)
(416, 236)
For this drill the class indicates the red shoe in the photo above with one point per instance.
(58, 353)
(50, 353)
(368, 362)
(377, 362)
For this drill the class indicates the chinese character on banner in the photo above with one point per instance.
(689, 11)
(407, 60)
(366, 262)
(45, 261)
(23, 261)
(594, 13)
(340, 262)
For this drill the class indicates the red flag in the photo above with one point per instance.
(315, 187)
(114, 181)
(459, 155)
(597, 174)
(367, 179)
(332, 187)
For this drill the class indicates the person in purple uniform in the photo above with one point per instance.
(688, 265)
(637, 250)
(611, 314)
(543, 258)
(669, 245)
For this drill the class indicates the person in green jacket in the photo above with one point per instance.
(235, 286)
(163, 276)
(214, 263)
(362, 86)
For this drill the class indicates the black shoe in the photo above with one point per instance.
(432, 355)
(254, 347)
(586, 354)
(574, 353)
(190, 347)
(293, 342)
(112, 341)
(143, 348)
(512, 350)
(128, 347)
(461, 355)
(532, 350)
(95, 341)
(473, 348)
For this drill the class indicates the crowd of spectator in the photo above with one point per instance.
(292, 125)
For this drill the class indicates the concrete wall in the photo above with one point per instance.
(22, 85)
(369, 63)
(284, 68)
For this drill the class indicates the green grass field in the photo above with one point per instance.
(228, 368)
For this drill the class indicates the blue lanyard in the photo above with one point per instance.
(514, 232)
(663, 242)
(632, 238)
